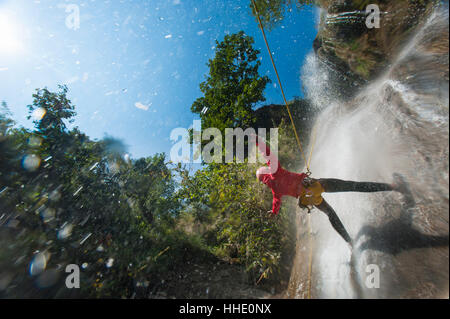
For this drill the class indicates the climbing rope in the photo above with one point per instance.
(310, 257)
(281, 88)
(307, 163)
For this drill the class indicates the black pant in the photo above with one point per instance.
(332, 185)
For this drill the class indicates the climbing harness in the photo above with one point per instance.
(311, 194)
(308, 171)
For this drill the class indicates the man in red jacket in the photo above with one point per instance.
(309, 191)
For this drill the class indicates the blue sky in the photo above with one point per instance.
(133, 67)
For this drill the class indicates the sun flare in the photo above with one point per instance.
(10, 36)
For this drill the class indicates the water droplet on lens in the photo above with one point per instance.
(48, 215)
(31, 162)
(39, 113)
(110, 262)
(48, 278)
(38, 263)
(65, 231)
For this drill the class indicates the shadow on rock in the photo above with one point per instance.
(399, 234)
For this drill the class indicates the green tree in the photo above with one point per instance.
(233, 85)
(231, 205)
(6, 145)
(81, 203)
(50, 109)
(149, 183)
(6, 123)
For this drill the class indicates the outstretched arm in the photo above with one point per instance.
(276, 204)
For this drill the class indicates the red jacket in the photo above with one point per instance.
(282, 182)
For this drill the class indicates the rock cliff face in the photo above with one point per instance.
(396, 122)
(356, 54)
(272, 115)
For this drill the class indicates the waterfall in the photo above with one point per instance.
(395, 124)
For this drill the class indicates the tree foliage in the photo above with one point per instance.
(70, 200)
(233, 85)
(231, 205)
